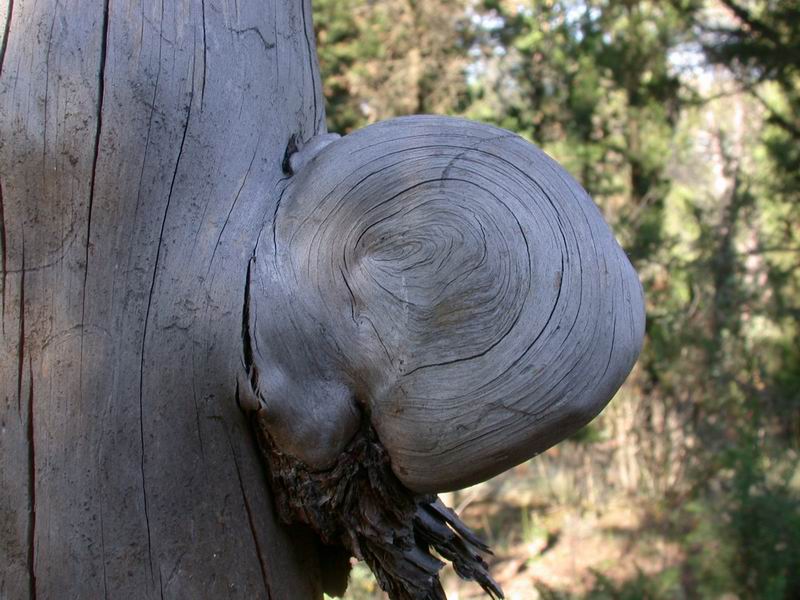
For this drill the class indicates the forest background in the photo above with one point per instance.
(682, 120)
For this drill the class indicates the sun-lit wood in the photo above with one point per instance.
(452, 284)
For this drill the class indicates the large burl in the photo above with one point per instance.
(435, 301)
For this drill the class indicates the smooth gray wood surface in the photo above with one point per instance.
(140, 155)
(452, 284)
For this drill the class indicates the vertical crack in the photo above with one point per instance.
(147, 318)
(21, 341)
(205, 56)
(247, 347)
(305, 8)
(3, 258)
(149, 299)
(93, 177)
(233, 205)
(248, 510)
(31, 488)
(6, 33)
(152, 109)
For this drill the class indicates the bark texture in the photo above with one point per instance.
(141, 145)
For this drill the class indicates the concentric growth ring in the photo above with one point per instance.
(461, 287)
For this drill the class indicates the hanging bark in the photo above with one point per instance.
(140, 154)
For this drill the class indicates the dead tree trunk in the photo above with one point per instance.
(140, 154)
(435, 301)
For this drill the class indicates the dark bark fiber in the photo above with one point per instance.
(360, 505)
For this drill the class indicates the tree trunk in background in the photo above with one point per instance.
(140, 154)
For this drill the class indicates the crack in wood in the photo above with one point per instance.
(88, 418)
(233, 205)
(31, 486)
(21, 340)
(147, 319)
(319, 121)
(205, 55)
(93, 176)
(267, 45)
(3, 256)
(262, 563)
(6, 33)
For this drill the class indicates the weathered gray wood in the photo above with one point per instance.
(140, 154)
(450, 283)
(440, 283)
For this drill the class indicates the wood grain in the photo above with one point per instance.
(141, 145)
(453, 283)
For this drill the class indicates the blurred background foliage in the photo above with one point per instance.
(682, 120)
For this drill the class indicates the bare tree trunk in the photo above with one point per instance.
(140, 154)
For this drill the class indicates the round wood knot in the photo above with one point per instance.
(459, 283)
